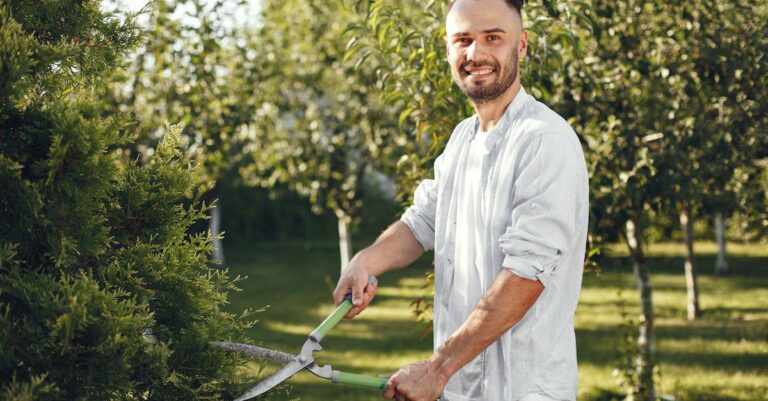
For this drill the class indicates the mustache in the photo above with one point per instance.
(493, 65)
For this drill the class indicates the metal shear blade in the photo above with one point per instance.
(299, 362)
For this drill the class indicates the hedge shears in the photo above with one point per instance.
(305, 359)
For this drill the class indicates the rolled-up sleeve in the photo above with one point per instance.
(420, 216)
(548, 187)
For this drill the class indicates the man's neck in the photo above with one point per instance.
(491, 112)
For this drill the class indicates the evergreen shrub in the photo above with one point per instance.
(105, 291)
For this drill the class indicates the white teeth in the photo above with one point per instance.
(480, 72)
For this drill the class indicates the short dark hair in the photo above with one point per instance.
(516, 5)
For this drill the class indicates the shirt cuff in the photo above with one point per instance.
(424, 233)
(523, 267)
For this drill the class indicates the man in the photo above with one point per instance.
(507, 217)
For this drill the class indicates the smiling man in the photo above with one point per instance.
(506, 214)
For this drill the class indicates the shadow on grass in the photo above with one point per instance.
(598, 346)
(704, 393)
(601, 394)
(714, 330)
(739, 266)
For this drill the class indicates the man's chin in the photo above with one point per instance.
(476, 87)
(482, 94)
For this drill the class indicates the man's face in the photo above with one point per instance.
(485, 41)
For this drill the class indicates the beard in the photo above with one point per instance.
(487, 92)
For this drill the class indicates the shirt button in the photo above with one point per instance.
(448, 261)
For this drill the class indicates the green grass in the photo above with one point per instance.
(723, 356)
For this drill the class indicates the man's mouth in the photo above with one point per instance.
(485, 71)
(478, 71)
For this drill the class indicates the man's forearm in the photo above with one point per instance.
(395, 248)
(503, 305)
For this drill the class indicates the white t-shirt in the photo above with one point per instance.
(469, 221)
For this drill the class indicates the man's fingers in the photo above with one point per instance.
(353, 312)
(357, 309)
(371, 288)
(370, 292)
(357, 292)
(340, 291)
(391, 388)
(367, 297)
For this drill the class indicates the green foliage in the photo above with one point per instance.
(320, 125)
(751, 185)
(105, 292)
(189, 72)
(272, 105)
(674, 115)
(664, 128)
(69, 43)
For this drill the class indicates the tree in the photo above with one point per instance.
(715, 70)
(191, 71)
(738, 76)
(622, 74)
(722, 67)
(319, 126)
(105, 293)
(663, 106)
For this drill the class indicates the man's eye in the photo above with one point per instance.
(493, 37)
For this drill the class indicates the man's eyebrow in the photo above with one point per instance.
(490, 30)
(494, 30)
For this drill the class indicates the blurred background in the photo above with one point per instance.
(309, 123)
(313, 122)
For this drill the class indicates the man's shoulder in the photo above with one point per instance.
(543, 128)
(465, 126)
(540, 119)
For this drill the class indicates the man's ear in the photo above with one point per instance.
(522, 49)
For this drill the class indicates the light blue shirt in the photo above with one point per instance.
(532, 219)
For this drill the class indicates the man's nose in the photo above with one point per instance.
(476, 51)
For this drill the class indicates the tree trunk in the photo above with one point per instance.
(345, 240)
(214, 224)
(721, 265)
(690, 273)
(644, 363)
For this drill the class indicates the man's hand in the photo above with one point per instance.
(355, 279)
(416, 382)
(395, 248)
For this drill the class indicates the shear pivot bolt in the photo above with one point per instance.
(302, 359)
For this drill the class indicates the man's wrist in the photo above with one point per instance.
(362, 261)
(367, 262)
(440, 364)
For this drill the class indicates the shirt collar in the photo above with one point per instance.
(493, 136)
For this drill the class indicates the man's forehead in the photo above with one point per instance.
(479, 16)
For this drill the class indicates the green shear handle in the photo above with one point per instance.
(358, 380)
(334, 318)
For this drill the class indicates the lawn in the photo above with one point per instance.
(723, 356)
